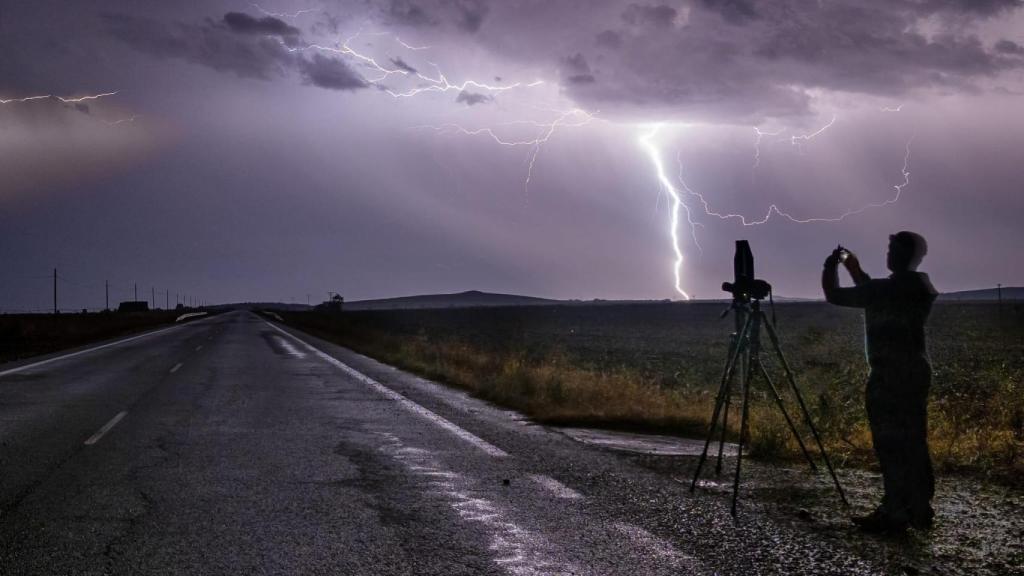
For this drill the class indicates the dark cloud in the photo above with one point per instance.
(465, 15)
(246, 24)
(471, 14)
(576, 70)
(472, 98)
(645, 15)
(609, 39)
(745, 61)
(733, 11)
(330, 73)
(408, 13)
(978, 7)
(402, 65)
(1009, 47)
(82, 107)
(209, 44)
(240, 45)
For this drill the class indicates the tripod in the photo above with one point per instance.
(745, 349)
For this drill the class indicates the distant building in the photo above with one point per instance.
(335, 304)
(133, 306)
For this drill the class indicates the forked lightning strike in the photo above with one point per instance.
(439, 84)
(64, 99)
(284, 15)
(570, 119)
(680, 206)
(774, 209)
(757, 142)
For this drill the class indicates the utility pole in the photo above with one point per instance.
(152, 296)
(136, 299)
(106, 294)
(167, 299)
(55, 291)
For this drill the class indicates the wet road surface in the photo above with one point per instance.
(232, 445)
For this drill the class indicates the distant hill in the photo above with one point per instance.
(470, 299)
(985, 294)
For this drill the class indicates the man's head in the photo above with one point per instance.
(906, 250)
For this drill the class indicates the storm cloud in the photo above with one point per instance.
(208, 43)
(330, 73)
(240, 44)
(732, 60)
(472, 98)
(503, 146)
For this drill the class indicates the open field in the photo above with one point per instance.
(656, 367)
(26, 335)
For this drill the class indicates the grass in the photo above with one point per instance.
(27, 335)
(656, 367)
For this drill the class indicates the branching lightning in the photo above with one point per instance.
(284, 15)
(440, 83)
(64, 99)
(774, 209)
(678, 206)
(757, 142)
(569, 119)
(382, 71)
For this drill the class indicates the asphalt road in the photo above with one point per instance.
(233, 446)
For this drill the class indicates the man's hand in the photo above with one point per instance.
(853, 267)
(851, 263)
(833, 259)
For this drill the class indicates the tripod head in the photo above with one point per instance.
(745, 287)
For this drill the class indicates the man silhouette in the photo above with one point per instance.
(895, 311)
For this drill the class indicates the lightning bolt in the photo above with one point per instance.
(284, 15)
(441, 83)
(409, 46)
(64, 99)
(775, 210)
(800, 139)
(131, 118)
(575, 117)
(757, 143)
(681, 208)
(678, 206)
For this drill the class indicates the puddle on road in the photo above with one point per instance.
(645, 443)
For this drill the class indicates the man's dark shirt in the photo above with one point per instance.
(895, 311)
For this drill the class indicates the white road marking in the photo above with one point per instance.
(81, 352)
(106, 428)
(555, 487)
(176, 367)
(290, 350)
(404, 402)
(517, 550)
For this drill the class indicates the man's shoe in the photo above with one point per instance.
(922, 518)
(878, 522)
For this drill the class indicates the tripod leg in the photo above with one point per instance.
(727, 374)
(785, 414)
(748, 377)
(725, 425)
(803, 407)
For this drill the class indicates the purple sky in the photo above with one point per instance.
(394, 147)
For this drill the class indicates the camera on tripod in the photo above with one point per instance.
(744, 357)
(745, 287)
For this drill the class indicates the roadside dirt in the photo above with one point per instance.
(979, 525)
